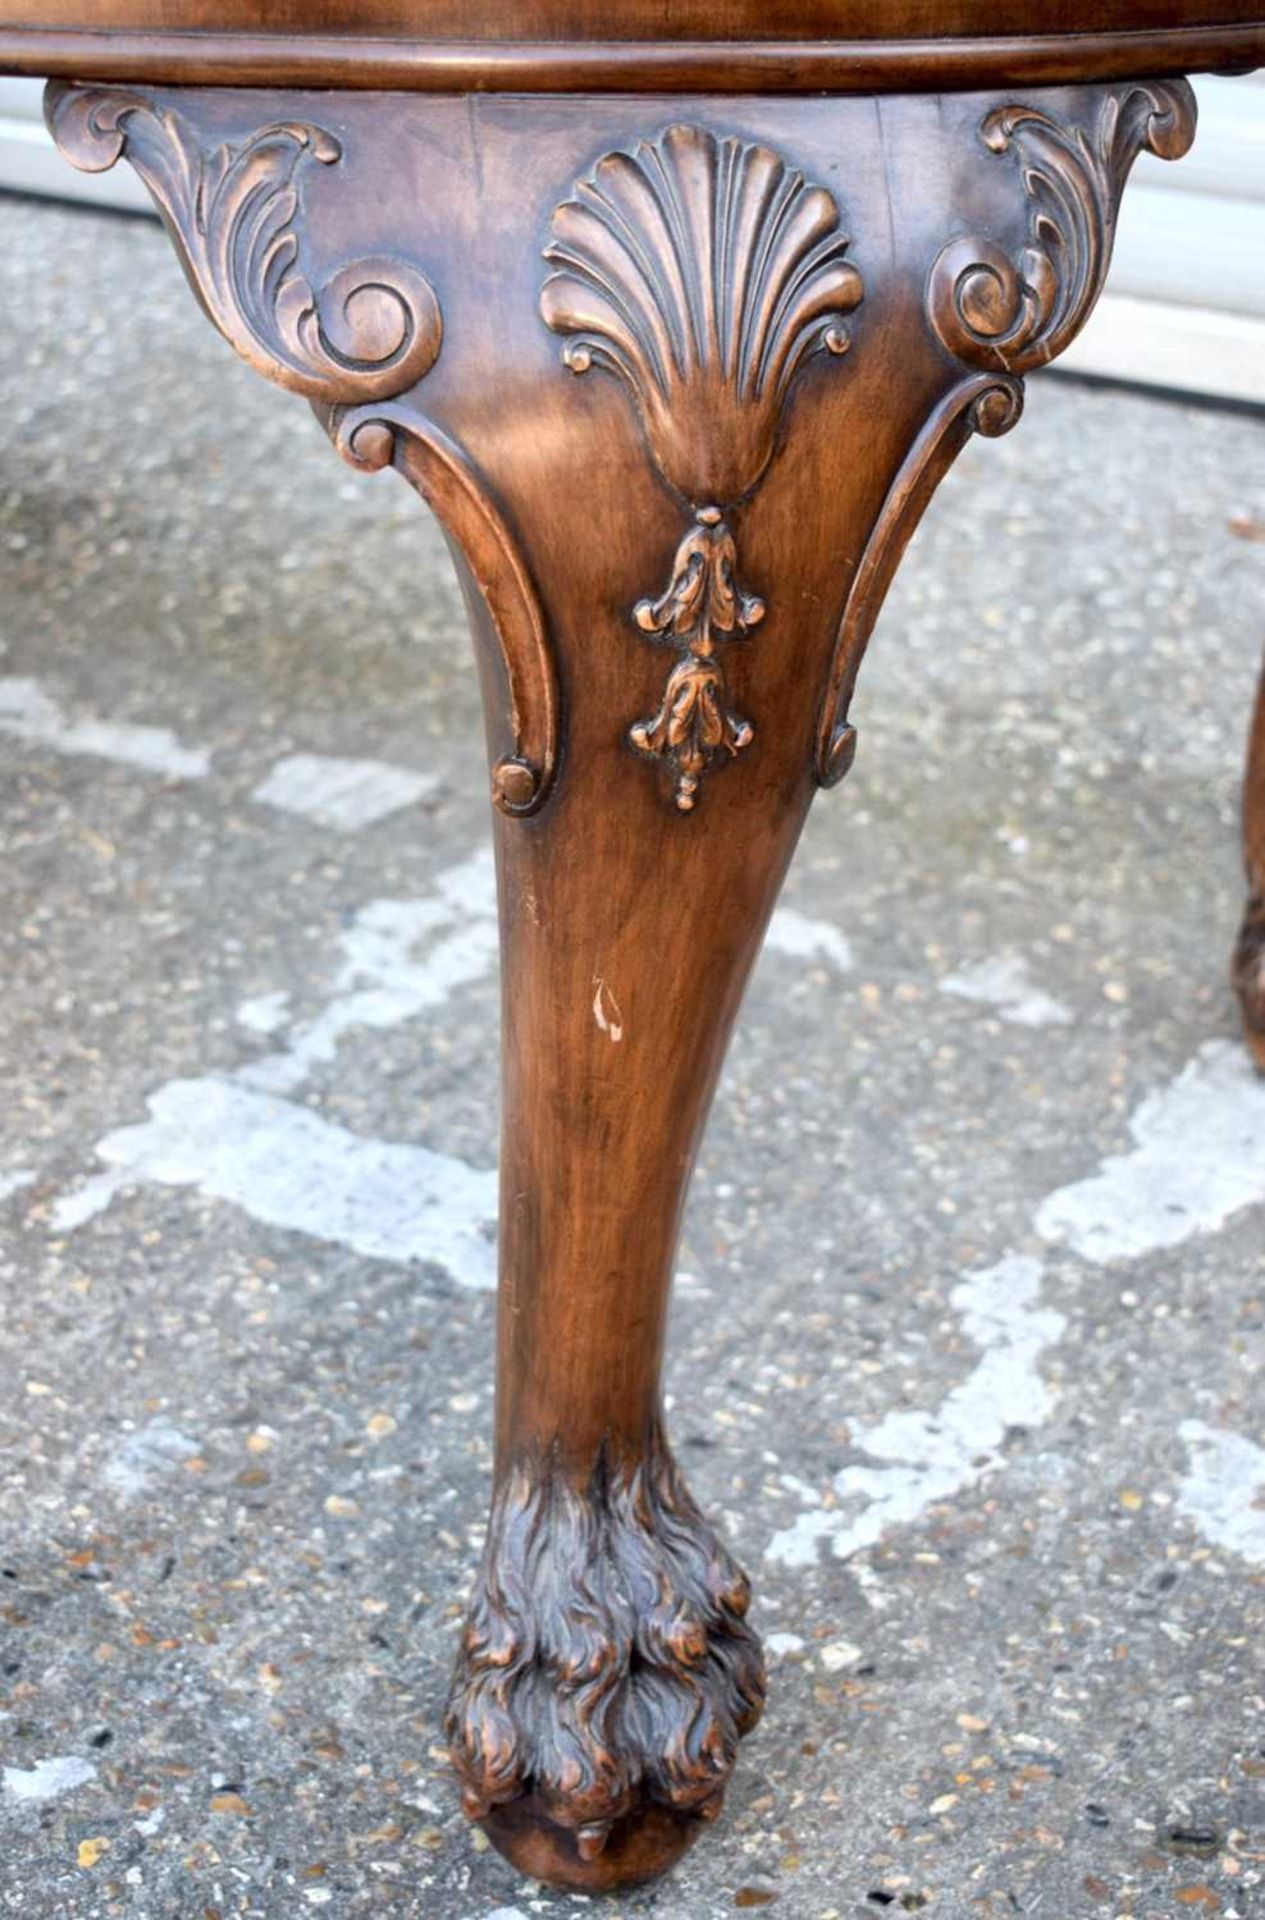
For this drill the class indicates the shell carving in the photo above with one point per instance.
(703, 272)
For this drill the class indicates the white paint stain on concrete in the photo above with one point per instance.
(800, 937)
(1223, 1492)
(11, 1183)
(72, 1210)
(1004, 982)
(47, 1779)
(233, 1137)
(344, 794)
(1199, 1146)
(154, 1449)
(405, 958)
(289, 1167)
(265, 1013)
(1198, 1158)
(400, 959)
(919, 1457)
(28, 713)
(244, 1138)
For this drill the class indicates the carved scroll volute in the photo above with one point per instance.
(459, 495)
(702, 272)
(371, 331)
(996, 312)
(1001, 317)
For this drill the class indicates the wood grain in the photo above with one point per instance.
(1232, 42)
(589, 20)
(725, 484)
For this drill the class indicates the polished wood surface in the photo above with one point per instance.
(769, 64)
(678, 377)
(678, 358)
(660, 20)
(733, 46)
(1249, 956)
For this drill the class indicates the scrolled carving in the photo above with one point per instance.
(703, 272)
(993, 311)
(1003, 317)
(462, 500)
(606, 1659)
(988, 404)
(371, 331)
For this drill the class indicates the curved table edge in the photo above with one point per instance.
(731, 67)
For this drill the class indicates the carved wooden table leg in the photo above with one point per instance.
(678, 379)
(1249, 956)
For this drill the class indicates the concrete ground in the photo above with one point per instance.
(968, 1354)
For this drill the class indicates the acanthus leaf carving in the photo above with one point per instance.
(1013, 315)
(371, 331)
(702, 605)
(1001, 317)
(236, 214)
(702, 271)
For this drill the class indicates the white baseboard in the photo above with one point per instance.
(1194, 350)
(30, 163)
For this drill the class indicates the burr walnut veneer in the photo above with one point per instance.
(675, 313)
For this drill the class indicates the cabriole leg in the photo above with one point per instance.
(678, 381)
(607, 1670)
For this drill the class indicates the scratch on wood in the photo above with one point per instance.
(606, 1010)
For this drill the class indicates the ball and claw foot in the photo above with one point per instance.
(606, 1674)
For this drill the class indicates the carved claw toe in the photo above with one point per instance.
(606, 1675)
(590, 1842)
